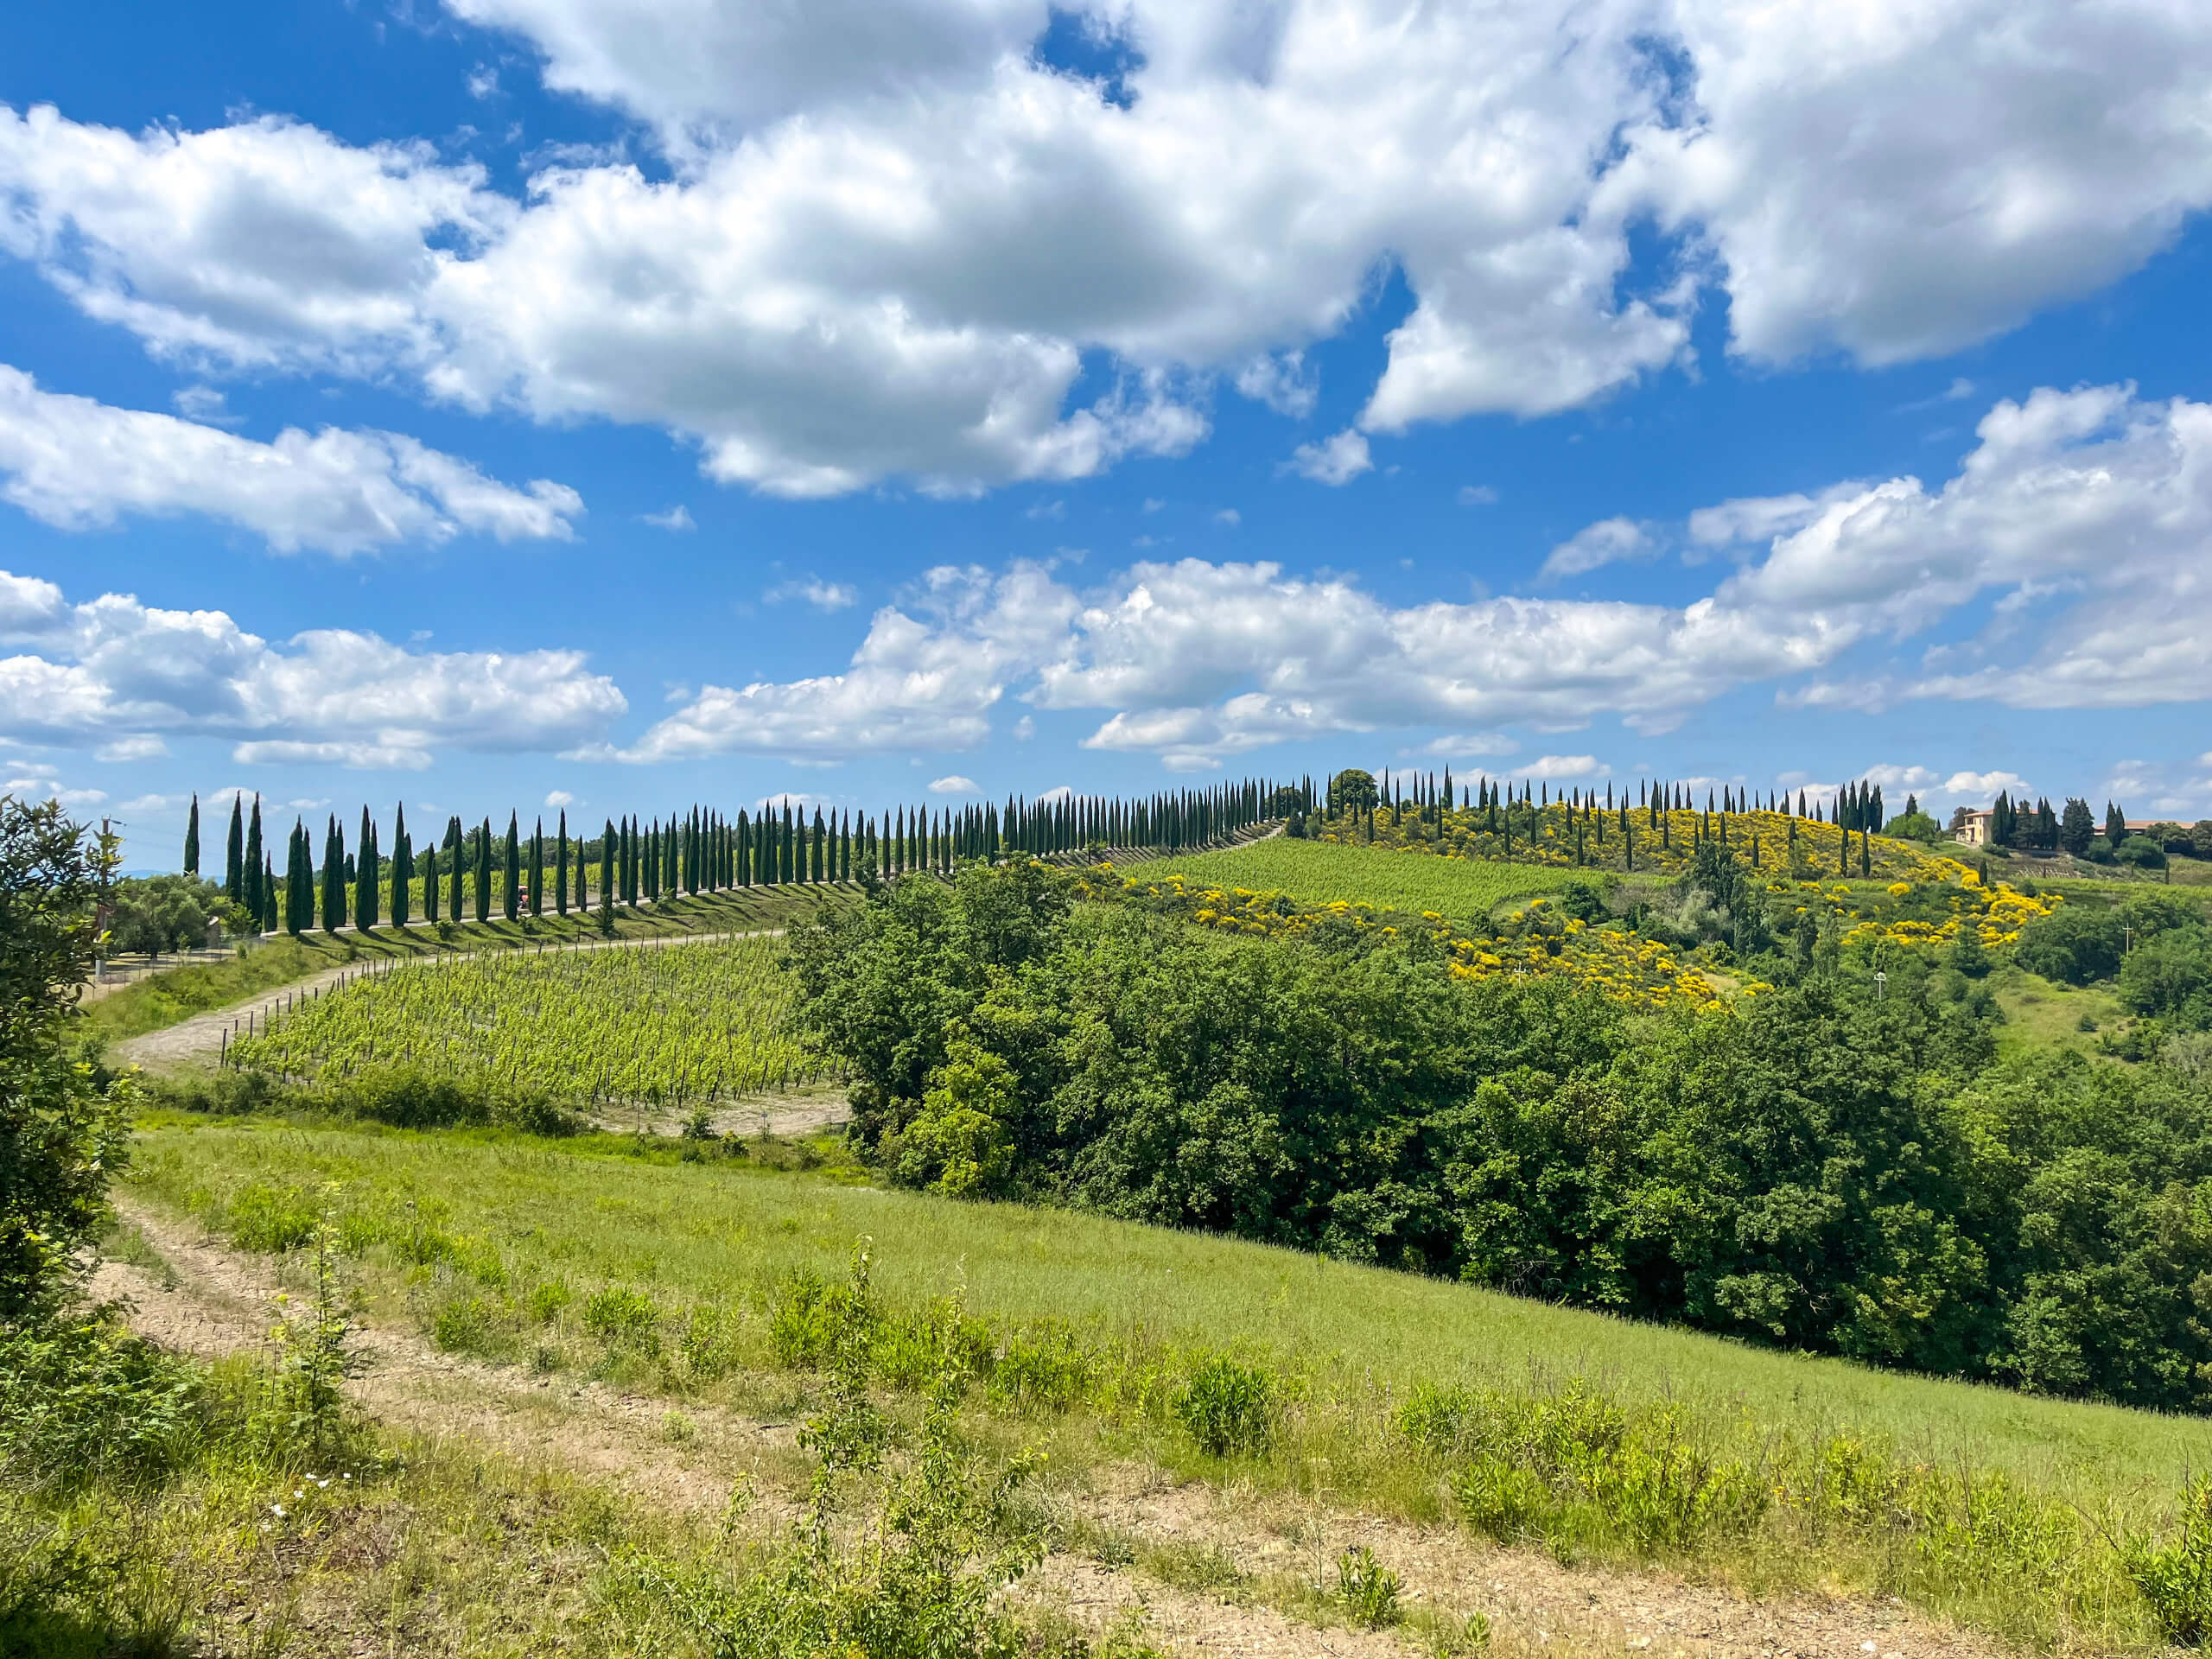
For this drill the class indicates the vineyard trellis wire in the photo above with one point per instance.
(675, 1025)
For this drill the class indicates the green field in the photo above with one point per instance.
(677, 1025)
(702, 1233)
(1321, 871)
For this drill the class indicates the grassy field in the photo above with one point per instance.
(691, 1277)
(163, 999)
(701, 1233)
(1320, 871)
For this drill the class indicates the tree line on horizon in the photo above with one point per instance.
(469, 872)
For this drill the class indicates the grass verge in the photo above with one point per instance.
(715, 1280)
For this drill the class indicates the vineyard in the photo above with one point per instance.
(677, 1025)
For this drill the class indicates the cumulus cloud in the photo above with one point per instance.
(1601, 543)
(677, 518)
(2092, 499)
(812, 590)
(76, 463)
(888, 233)
(117, 676)
(1561, 767)
(2102, 501)
(144, 746)
(1477, 495)
(1282, 382)
(952, 784)
(1902, 178)
(1470, 746)
(1334, 461)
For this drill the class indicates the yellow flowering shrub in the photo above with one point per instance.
(1539, 939)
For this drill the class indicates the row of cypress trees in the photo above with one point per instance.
(471, 870)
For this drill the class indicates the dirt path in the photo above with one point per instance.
(201, 1037)
(1269, 1550)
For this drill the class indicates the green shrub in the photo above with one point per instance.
(1042, 1368)
(708, 1347)
(624, 1319)
(1367, 1590)
(1229, 1409)
(469, 1325)
(2176, 1576)
(271, 1219)
(548, 1298)
(83, 1400)
(1501, 1499)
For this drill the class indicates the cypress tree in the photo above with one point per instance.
(484, 870)
(234, 857)
(560, 865)
(606, 880)
(299, 881)
(192, 838)
(538, 868)
(2115, 825)
(267, 893)
(512, 892)
(430, 882)
(333, 878)
(250, 870)
(366, 909)
(403, 869)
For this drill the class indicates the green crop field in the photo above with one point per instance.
(1321, 871)
(673, 1025)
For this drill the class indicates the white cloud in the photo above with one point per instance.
(403, 756)
(204, 404)
(262, 243)
(886, 237)
(677, 518)
(1601, 543)
(2092, 500)
(1470, 746)
(112, 671)
(1983, 786)
(1477, 495)
(1901, 178)
(1561, 767)
(1893, 777)
(1230, 516)
(2104, 501)
(1054, 511)
(822, 595)
(952, 784)
(1282, 382)
(76, 464)
(143, 745)
(559, 797)
(1334, 461)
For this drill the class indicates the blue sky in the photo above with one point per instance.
(477, 402)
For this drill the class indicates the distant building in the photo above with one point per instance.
(1971, 826)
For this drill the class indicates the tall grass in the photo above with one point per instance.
(1431, 1400)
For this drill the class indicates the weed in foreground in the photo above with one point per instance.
(1229, 1409)
(920, 1572)
(2176, 1576)
(1367, 1590)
